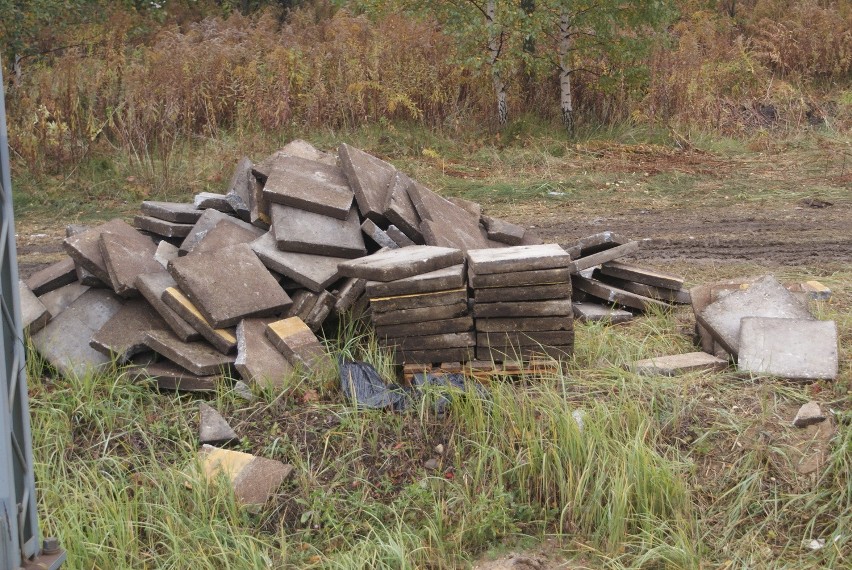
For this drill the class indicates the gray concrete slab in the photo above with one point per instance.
(457, 228)
(207, 221)
(347, 293)
(701, 296)
(34, 315)
(378, 235)
(593, 312)
(517, 258)
(398, 236)
(259, 212)
(52, 277)
(87, 278)
(430, 342)
(524, 353)
(211, 200)
(320, 311)
(169, 376)
(225, 234)
(765, 298)
(614, 295)
(794, 348)
(178, 212)
(675, 296)
(197, 357)
(152, 286)
(303, 303)
(84, 247)
(212, 427)
(162, 227)
(452, 277)
(307, 232)
(229, 285)
(496, 325)
(311, 186)
(462, 354)
(520, 278)
(222, 339)
(644, 275)
(57, 300)
(596, 243)
(519, 339)
(420, 300)
(240, 193)
(469, 206)
(524, 293)
(123, 335)
(314, 272)
(253, 479)
(610, 254)
(678, 364)
(551, 308)
(64, 342)
(126, 257)
(420, 314)
(503, 231)
(400, 210)
(298, 148)
(259, 362)
(401, 263)
(445, 326)
(298, 344)
(165, 252)
(370, 179)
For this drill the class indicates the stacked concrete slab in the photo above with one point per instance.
(521, 302)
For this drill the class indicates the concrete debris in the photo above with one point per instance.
(258, 360)
(213, 429)
(294, 339)
(126, 257)
(124, 334)
(197, 357)
(58, 300)
(34, 315)
(152, 286)
(168, 376)
(253, 479)
(165, 252)
(378, 235)
(162, 228)
(52, 277)
(171, 211)
(677, 364)
(592, 312)
(808, 415)
(210, 200)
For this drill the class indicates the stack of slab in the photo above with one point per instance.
(521, 302)
(419, 302)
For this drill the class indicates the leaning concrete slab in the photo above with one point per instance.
(517, 258)
(596, 243)
(677, 364)
(314, 272)
(307, 232)
(212, 427)
(370, 178)
(701, 296)
(198, 357)
(166, 252)
(240, 190)
(57, 300)
(677, 296)
(178, 212)
(64, 342)
(347, 293)
(169, 376)
(205, 223)
(126, 257)
(401, 263)
(799, 349)
(123, 335)
(210, 200)
(592, 312)
(84, 247)
(303, 303)
(223, 340)
(34, 315)
(229, 285)
(320, 311)
(225, 234)
(253, 479)
(378, 235)
(297, 148)
(610, 254)
(644, 275)
(452, 277)
(400, 210)
(258, 361)
(503, 231)
(611, 294)
(310, 185)
(52, 277)
(398, 237)
(152, 286)
(299, 345)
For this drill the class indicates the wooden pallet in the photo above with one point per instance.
(484, 370)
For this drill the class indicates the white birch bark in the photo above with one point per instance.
(566, 103)
(494, 53)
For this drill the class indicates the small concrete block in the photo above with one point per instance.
(799, 349)
(212, 427)
(223, 340)
(808, 415)
(171, 211)
(378, 235)
(87, 278)
(225, 234)
(420, 314)
(765, 298)
(400, 263)
(297, 148)
(165, 252)
(399, 209)
(517, 258)
(370, 179)
(243, 391)
(503, 231)
(564, 323)
(314, 272)
(677, 296)
(445, 326)
(307, 232)
(592, 312)
(677, 364)
(611, 254)
(637, 274)
(198, 357)
(615, 295)
(529, 293)
(595, 243)
(258, 360)
(398, 236)
(169, 376)
(210, 200)
(550, 308)
(84, 247)
(816, 290)
(123, 335)
(34, 315)
(521, 278)
(64, 342)
(521, 339)
(52, 277)
(311, 186)
(349, 292)
(297, 343)
(387, 304)
(321, 310)
(452, 277)
(58, 300)
(303, 303)
(253, 479)
(462, 354)
(162, 227)
(229, 285)
(431, 342)
(126, 257)
(152, 286)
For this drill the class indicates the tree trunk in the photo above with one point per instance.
(566, 103)
(494, 41)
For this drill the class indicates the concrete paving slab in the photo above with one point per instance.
(229, 285)
(503, 231)
(457, 228)
(240, 193)
(303, 303)
(311, 186)
(177, 212)
(496, 325)
(123, 335)
(87, 278)
(676, 296)
(596, 243)
(526, 293)
(211, 200)
(678, 364)
(169, 376)
(462, 354)
(259, 212)
(126, 257)
(297, 148)
(524, 353)
(611, 295)
(592, 312)
(307, 232)
(298, 344)
(551, 308)
(34, 315)
(223, 339)
(58, 300)
(320, 311)
(64, 342)
(207, 221)
(225, 234)
(520, 339)
(52, 277)
(430, 342)
(420, 314)
(794, 348)
(349, 291)
(610, 254)
(370, 179)
(212, 427)
(253, 479)
(378, 235)
(420, 300)
(84, 247)
(644, 275)
(165, 252)
(197, 357)
(701, 296)
(517, 258)
(162, 227)
(469, 206)
(400, 211)
(152, 286)
(452, 277)
(521, 278)
(398, 236)
(445, 326)
(765, 298)
(401, 263)
(258, 361)
(314, 272)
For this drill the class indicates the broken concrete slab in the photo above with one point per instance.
(161, 227)
(596, 243)
(126, 257)
(314, 272)
(169, 376)
(592, 312)
(258, 360)
(503, 231)
(297, 148)
(644, 275)
(528, 293)
(84, 247)
(394, 264)
(563, 323)
(320, 311)
(165, 252)
(678, 296)
(253, 479)
(610, 254)
(816, 290)
(205, 223)
(311, 186)
(212, 427)
(420, 314)
(549, 308)
(520, 278)
(615, 295)
(517, 258)
(123, 335)
(397, 235)
(223, 339)
(177, 212)
(211, 200)
(400, 211)
(34, 315)
(462, 354)
(378, 235)
(307, 232)
(677, 364)
(225, 234)
(229, 285)
(57, 300)
(152, 286)
(347, 293)
(808, 415)
(303, 303)
(299, 345)
(64, 342)
(452, 277)
(430, 342)
(240, 193)
(445, 326)
(370, 179)
(87, 278)
(197, 357)
(420, 300)
(765, 298)
(794, 348)
(52, 277)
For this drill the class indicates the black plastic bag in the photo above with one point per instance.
(362, 384)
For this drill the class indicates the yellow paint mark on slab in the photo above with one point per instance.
(289, 327)
(226, 461)
(419, 295)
